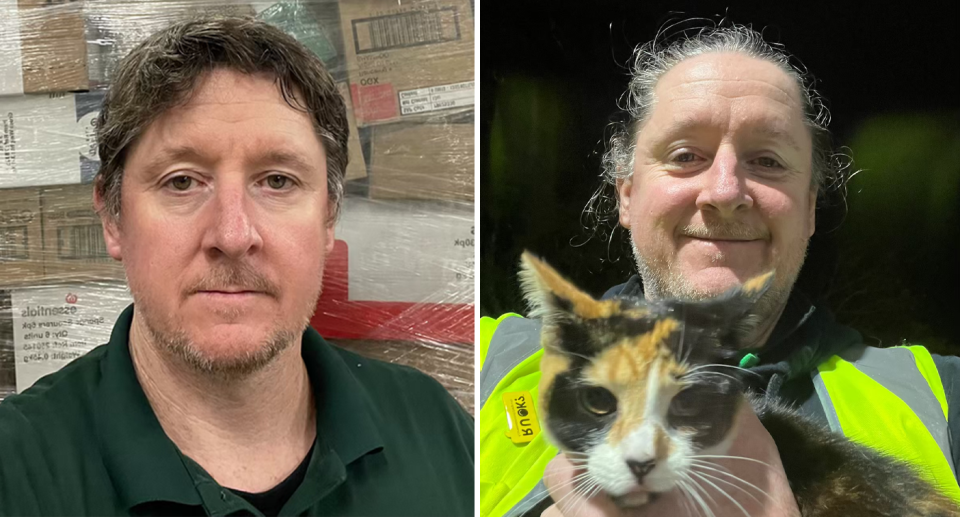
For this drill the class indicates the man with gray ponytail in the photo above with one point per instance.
(223, 149)
(717, 176)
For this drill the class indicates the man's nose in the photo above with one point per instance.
(233, 230)
(723, 188)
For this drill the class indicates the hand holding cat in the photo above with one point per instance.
(758, 465)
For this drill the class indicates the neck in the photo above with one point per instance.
(250, 432)
(758, 338)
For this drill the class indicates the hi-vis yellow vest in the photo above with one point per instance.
(889, 399)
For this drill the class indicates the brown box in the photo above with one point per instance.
(52, 47)
(406, 59)
(357, 167)
(21, 243)
(431, 160)
(73, 245)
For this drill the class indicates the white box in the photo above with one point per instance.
(48, 139)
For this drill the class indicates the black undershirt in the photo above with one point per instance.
(271, 501)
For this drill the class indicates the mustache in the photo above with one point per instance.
(732, 230)
(234, 277)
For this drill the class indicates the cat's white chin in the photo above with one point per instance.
(633, 499)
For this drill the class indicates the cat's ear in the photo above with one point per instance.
(549, 295)
(734, 311)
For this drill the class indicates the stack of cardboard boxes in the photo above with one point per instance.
(406, 71)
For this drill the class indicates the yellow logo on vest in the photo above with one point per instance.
(521, 417)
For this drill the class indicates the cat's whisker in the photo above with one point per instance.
(688, 503)
(722, 457)
(709, 465)
(696, 494)
(536, 497)
(697, 375)
(722, 492)
(734, 485)
(579, 496)
(702, 366)
(589, 494)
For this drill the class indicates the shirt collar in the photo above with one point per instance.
(145, 465)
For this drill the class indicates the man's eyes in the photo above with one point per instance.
(687, 158)
(278, 182)
(768, 163)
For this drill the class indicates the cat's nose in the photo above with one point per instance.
(641, 468)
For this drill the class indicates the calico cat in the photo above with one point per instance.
(635, 391)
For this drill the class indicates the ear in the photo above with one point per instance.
(624, 189)
(732, 313)
(331, 238)
(812, 216)
(111, 226)
(550, 296)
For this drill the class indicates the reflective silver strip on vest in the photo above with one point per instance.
(515, 340)
(896, 370)
(533, 498)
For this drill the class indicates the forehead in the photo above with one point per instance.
(232, 111)
(728, 90)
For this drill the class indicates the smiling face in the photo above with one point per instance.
(721, 188)
(222, 229)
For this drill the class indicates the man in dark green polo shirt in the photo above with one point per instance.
(223, 150)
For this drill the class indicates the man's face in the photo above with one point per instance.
(721, 187)
(223, 230)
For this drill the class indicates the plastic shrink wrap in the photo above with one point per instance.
(399, 284)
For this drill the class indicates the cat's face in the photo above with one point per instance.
(633, 390)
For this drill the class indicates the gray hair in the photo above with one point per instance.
(654, 59)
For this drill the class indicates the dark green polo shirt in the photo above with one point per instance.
(85, 441)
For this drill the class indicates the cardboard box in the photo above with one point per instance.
(55, 324)
(43, 47)
(8, 379)
(73, 245)
(357, 167)
(21, 243)
(54, 46)
(431, 160)
(435, 241)
(406, 59)
(116, 27)
(48, 139)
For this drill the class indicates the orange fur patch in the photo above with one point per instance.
(551, 364)
(624, 369)
(755, 284)
(662, 445)
(583, 305)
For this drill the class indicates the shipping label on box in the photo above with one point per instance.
(406, 60)
(423, 161)
(48, 139)
(54, 325)
(73, 243)
(419, 252)
(21, 243)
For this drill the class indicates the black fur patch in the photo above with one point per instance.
(573, 426)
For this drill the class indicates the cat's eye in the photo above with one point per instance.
(598, 401)
(684, 404)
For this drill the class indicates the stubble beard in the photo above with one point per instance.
(170, 338)
(660, 281)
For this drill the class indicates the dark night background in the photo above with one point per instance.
(885, 261)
